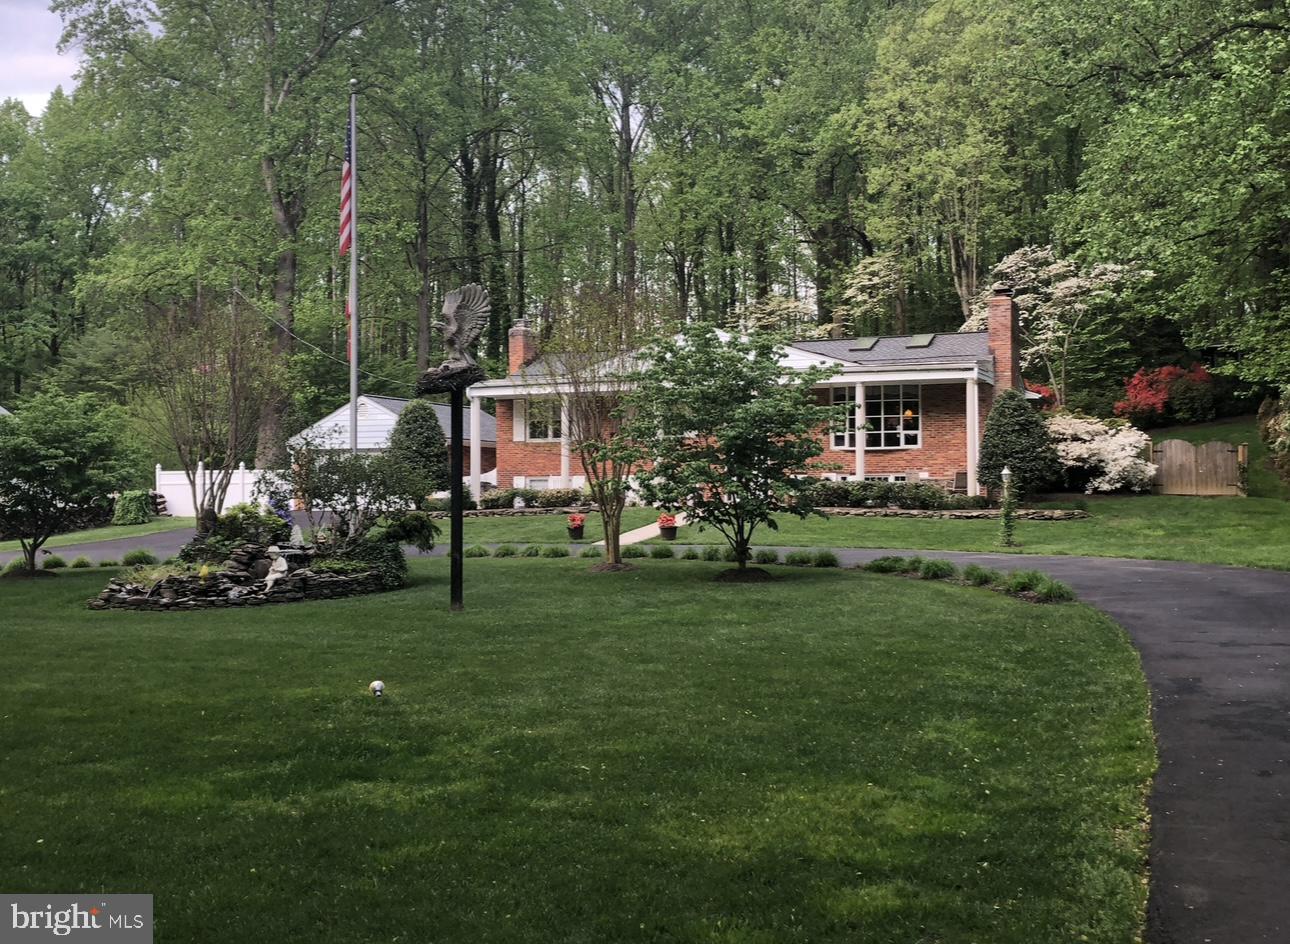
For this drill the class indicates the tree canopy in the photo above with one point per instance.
(848, 165)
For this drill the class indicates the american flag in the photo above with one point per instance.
(347, 193)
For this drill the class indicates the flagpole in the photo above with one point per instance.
(353, 268)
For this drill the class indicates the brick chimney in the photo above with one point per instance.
(521, 346)
(1004, 342)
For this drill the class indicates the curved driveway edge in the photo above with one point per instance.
(1215, 642)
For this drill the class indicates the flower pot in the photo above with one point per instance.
(668, 534)
(575, 534)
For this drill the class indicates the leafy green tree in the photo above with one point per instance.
(729, 433)
(1016, 437)
(419, 441)
(60, 456)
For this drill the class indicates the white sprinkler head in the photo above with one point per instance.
(377, 688)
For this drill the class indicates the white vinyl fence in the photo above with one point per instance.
(173, 485)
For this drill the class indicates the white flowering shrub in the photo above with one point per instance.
(1108, 452)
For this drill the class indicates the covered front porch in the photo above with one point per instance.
(908, 425)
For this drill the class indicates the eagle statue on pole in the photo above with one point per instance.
(465, 315)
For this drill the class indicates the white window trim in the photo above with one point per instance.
(849, 399)
(903, 446)
(528, 427)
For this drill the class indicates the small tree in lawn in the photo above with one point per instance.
(1017, 437)
(730, 432)
(590, 357)
(419, 442)
(58, 457)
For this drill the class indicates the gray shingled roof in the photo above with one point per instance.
(487, 422)
(955, 348)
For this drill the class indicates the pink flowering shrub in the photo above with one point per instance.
(1105, 455)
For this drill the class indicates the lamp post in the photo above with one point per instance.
(1007, 510)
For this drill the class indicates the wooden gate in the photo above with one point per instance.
(1183, 468)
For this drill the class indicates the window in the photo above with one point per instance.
(844, 437)
(544, 419)
(894, 416)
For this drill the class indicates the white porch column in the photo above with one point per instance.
(973, 434)
(860, 437)
(564, 443)
(476, 446)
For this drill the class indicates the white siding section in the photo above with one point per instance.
(375, 423)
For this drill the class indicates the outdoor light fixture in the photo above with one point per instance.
(376, 688)
(1006, 475)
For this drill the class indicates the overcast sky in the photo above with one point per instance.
(30, 65)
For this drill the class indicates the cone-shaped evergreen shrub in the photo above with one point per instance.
(419, 440)
(1017, 437)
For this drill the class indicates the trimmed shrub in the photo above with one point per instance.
(247, 523)
(887, 564)
(1023, 581)
(555, 550)
(824, 559)
(385, 558)
(419, 441)
(14, 566)
(937, 570)
(865, 494)
(633, 551)
(980, 576)
(81, 563)
(712, 553)
(505, 550)
(728, 555)
(560, 498)
(109, 562)
(798, 558)
(1017, 437)
(913, 565)
(766, 555)
(531, 550)
(690, 553)
(133, 507)
(475, 550)
(1054, 591)
(592, 551)
(53, 562)
(412, 527)
(662, 552)
(139, 556)
(505, 498)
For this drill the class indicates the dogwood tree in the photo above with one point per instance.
(1063, 310)
(729, 431)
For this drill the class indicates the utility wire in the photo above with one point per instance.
(285, 330)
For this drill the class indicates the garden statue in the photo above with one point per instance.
(465, 313)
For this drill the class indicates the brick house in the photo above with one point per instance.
(920, 403)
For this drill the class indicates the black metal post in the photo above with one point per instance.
(456, 471)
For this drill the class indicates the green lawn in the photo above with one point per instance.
(110, 533)
(584, 758)
(542, 529)
(1253, 532)
(1264, 482)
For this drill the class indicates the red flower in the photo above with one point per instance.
(577, 521)
(667, 521)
